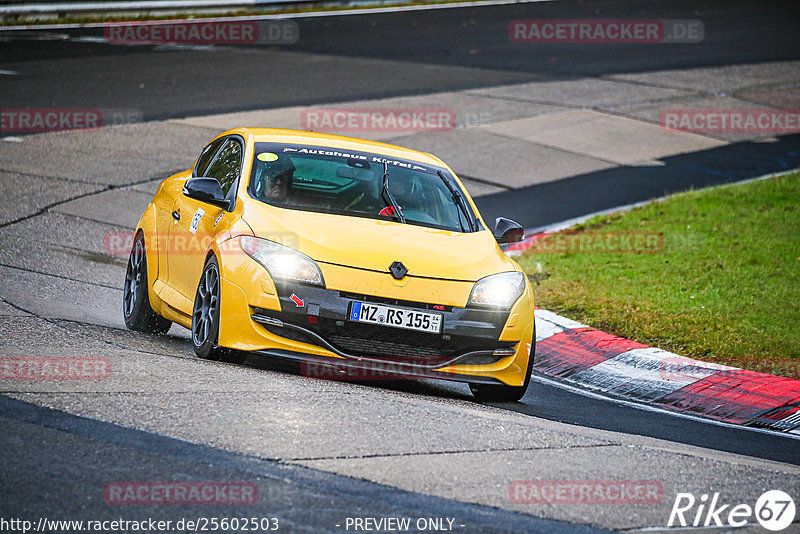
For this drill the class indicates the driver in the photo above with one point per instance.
(273, 178)
(405, 191)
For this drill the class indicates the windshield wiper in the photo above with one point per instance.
(458, 198)
(388, 197)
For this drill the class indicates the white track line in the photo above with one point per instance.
(275, 16)
(555, 227)
(650, 408)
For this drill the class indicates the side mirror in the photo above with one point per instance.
(507, 231)
(205, 190)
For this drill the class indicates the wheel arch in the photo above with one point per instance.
(148, 229)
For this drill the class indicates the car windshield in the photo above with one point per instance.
(352, 183)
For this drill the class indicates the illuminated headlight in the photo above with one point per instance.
(282, 262)
(498, 290)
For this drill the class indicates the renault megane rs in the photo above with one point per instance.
(333, 251)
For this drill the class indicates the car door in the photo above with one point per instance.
(197, 223)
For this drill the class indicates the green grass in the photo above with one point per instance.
(725, 287)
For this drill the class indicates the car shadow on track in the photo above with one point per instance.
(548, 401)
(427, 388)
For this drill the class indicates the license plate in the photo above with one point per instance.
(363, 312)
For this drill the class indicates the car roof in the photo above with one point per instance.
(277, 135)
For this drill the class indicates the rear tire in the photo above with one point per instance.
(136, 310)
(205, 317)
(498, 393)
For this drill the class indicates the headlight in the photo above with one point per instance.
(282, 262)
(498, 290)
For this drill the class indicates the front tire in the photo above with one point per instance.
(498, 393)
(136, 309)
(205, 317)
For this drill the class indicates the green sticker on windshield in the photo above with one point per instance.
(267, 156)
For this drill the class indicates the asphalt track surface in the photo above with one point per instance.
(382, 55)
(379, 55)
(305, 500)
(601, 190)
(376, 56)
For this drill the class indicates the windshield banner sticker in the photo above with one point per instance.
(350, 155)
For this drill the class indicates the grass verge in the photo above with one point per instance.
(711, 274)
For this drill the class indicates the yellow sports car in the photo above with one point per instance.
(356, 257)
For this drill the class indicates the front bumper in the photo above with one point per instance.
(468, 336)
(312, 324)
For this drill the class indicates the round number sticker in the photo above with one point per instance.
(775, 510)
(267, 156)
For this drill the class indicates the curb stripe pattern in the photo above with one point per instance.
(575, 353)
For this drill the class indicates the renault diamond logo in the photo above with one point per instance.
(398, 270)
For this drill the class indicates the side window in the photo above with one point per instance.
(226, 166)
(205, 157)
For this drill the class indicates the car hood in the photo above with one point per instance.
(375, 244)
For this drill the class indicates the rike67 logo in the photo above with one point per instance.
(774, 510)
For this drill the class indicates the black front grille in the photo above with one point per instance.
(361, 346)
(362, 339)
(382, 342)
